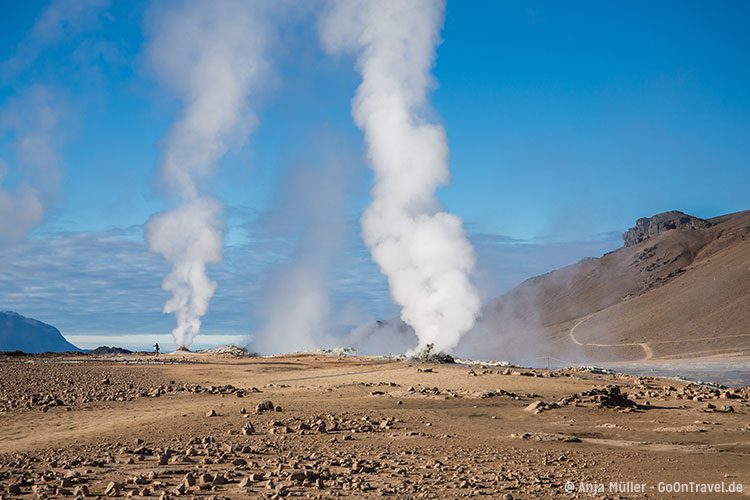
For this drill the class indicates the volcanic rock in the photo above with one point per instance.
(264, 406)
(646, 227)
(297, 476)
(189, 479)
(81, 491)
(535, 407)
(607, 397)
(110, 350)
(112, 489)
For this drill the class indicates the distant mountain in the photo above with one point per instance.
(104, 349)
(19, 333)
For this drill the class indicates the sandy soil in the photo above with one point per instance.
(359, 428)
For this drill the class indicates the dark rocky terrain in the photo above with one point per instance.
(103, 349)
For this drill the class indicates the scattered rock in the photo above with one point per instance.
(682, 429)
(112, 489)
(606, 397)
(544, 436)
(248, 429)
(81, 491)
(264, 406)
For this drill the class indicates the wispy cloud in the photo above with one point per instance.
(33, 118)
(62, 19)
(107, 283)
(36, 118)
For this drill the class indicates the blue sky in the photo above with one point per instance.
(566, 122)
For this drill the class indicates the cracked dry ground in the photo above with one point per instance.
(353, 427)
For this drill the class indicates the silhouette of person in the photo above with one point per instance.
(156, 348)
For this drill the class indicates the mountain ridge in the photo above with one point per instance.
(649, 299)
(19, 333)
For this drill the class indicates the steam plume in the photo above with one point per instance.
(37, 117)
(311, 208)
(33, 117)
(422, 250)
(211, 55)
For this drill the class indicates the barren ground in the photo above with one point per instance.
(355, 427)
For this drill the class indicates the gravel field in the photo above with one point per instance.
(324, 426)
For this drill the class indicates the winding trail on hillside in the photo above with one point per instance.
(698, 339)
(647, 351)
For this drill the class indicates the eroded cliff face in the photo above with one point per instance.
(646, 227)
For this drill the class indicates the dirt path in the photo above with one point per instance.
(647, 350)
(699, 339)
(648, 353)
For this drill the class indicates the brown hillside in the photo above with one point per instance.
(680, 292)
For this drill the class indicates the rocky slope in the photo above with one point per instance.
(680, 287)
(19, 333)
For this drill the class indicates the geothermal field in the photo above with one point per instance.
(207, 425)
(374, 248)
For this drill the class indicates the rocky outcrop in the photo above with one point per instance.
(103, 349)
(646, 227)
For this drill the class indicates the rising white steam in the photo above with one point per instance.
(37, 117)
(422, 250)
(212, 56)
(311, 209)
(34, 119)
